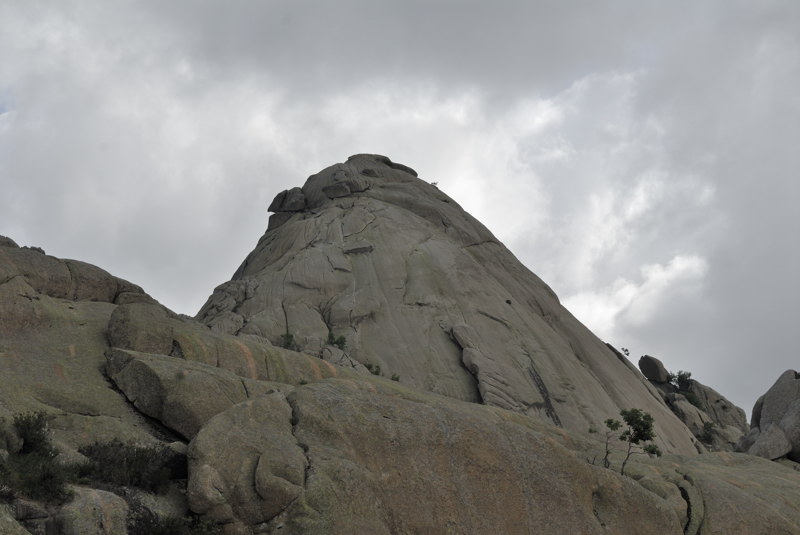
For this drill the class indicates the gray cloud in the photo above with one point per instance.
(638, 157)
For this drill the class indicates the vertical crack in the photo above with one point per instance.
(695, 505)
(685, 496)
(295, 422)
(549, 410)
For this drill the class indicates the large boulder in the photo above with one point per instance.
(246, 465)
(183, 395)
(771, 443)
(93, 512)
(719, 409)
(653, 369)
(775, 426)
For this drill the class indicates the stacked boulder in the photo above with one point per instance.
(775, 426)
(714, 420)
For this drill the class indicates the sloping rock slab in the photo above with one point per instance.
(182, 395)
(384, 460)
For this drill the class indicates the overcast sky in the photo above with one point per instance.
(642, 157)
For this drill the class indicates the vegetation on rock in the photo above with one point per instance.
(123, 464)
(682, 381)
(374, 369)
(639, 429)
(33, 471)
(338, 341)
(707, 436)
(287, 341)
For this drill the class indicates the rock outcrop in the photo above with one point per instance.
(367, 251)
(653, 369)
(775, 425)
(714, 420)
(284, 411)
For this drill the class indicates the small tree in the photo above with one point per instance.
(613, 426)
(681, 380)
(338, 341)
(707, 436)
(640, 429)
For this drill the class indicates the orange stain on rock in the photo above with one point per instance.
(59, 369)
(251, 362)
(315, 369)
(331, 368)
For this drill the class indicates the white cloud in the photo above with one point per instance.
(143, 136)
(635, 303)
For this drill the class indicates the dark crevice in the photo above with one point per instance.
(695, 505)
(685, 496)
(495, 318)
(295, 423)
(176, 351)
(73, 281)
(11, 278)
(549, 410)
(301, 285)
(153, 425)
(474, 375)
(478, 244)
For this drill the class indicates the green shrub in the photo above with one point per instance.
(33, 471)
(36, 476)
(32, 429)
(395, 377)
(681, 380)
(639, 429)
(374, 369)
(707, 436)
(127, 464)
(287, 341)
(146, 523)
(338, 341)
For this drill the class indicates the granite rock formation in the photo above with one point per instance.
(483, 430)
(713, 419)
(367, 251)
(775, 424)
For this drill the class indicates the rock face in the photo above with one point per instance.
(419, 288)
(775, 426)
(482, 430)
(716, 422)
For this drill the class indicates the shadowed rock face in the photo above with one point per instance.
(368, 251)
